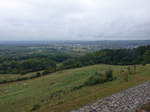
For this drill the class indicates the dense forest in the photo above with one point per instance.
(48, 62)
(140, 55)
(31, 63)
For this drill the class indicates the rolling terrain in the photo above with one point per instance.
(62, 91)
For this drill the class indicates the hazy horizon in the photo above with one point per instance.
(74, 20)
(76, 40)
(66, 40)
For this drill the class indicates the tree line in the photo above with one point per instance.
(31, 63)
(140, 55)
(48, 63)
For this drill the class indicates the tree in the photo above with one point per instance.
(147, 56)
(37, 64)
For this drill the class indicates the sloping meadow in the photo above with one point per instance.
(66, 90)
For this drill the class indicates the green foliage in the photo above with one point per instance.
(134, 69)
(65, 86)
(47, 62)
(97, 78)
(109, 75)
(37, 64)
(125, 75)
(49, 69)
(38, 74)
(147, 56)
(108, 56)
(129, 70)
(29, 65)
(35, 107)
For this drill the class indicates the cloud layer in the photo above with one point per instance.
(74, 19)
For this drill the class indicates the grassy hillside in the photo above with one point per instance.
(14, 77)
(60, 92)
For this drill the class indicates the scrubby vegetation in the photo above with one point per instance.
(69, 89)
(99, 78)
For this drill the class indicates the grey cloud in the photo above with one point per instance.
(74, 19)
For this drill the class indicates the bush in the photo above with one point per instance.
(109, 75)
(45, 72)
(38, 74)
(23, 72)
(35, 107)
(97, 78)
(77, 87)
(126, 76)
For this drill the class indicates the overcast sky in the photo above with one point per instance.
(74, 19)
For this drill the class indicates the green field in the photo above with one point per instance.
(8, 78)
(59, 92)
(11, 77)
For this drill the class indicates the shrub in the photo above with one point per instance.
(143, 64)
(45, 72)
(77, 87)
(129, 70)
(97, 78)
(23, 72)
(35, 107)
(38, 74)
(126, 76)
(109, 75)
